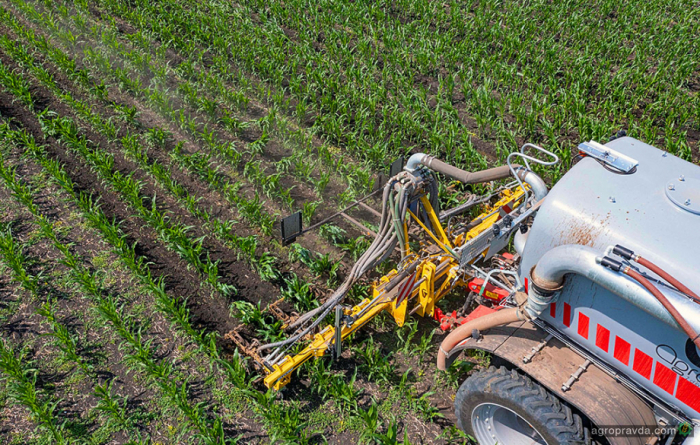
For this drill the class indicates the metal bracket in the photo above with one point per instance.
(608, 155)
(575, 376)
(338, 337)
(535, 349)
(426, 290)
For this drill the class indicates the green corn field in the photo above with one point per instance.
(149, 149)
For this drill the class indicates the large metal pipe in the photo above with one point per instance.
(537, 185)
(453, 172)
(547, 279)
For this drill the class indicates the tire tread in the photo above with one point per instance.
(557, 417)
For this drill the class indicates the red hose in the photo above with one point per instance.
(666, 276)
(689, 331)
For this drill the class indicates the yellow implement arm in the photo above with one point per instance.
(435, 275)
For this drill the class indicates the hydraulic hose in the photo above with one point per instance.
(504, 316)
(689, 331)
(387, 237)
(668, 277)
(631, 256)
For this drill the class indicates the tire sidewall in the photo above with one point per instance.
(469, 403)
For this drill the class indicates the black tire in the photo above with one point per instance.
(551, 418)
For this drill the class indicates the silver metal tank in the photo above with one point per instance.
(654, 211)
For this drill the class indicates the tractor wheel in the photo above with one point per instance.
(497, 406)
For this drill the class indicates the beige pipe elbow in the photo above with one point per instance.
(500, 318)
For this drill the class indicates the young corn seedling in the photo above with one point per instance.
(20, 377)
(375, 362)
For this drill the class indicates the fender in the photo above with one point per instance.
(600, 397)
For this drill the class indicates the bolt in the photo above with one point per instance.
(664, 155)
(687, 202)
(671, 187)
(682, 178)
(612, 199)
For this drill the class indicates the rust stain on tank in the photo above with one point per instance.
(583, 231)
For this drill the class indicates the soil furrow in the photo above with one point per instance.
(209, 313)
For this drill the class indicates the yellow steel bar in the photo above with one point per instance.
(432, 235)
(282, 371)
(489, 217)
(435, 221)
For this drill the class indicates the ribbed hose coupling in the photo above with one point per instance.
(542, 294)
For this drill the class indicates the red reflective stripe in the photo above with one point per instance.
(688, 393)
(642, 364)
(567, 315)
(553, 310)
(527, 285)
(622, 351)
(583, 325)
(664, 378)
(602, 338)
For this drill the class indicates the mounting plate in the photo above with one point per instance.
(291, 228)
(608, 155)
(396, 167)
(685, 193)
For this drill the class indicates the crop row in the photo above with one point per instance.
(215, 77)
(12, 253)
(175, 235)
(142, 353)
(277, 419)
(379, 89)
(264, 264)
(162, 82)
(251, 209)
(21, 378)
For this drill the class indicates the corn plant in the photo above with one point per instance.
(319, 263)
(20, 376)
(113, 406)
(16, 86)
(376, 364)
(299, 293)
(250, 314)
(15, 259)
(390, 437)
(370, 422)
(64, 339)
(284, 423)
